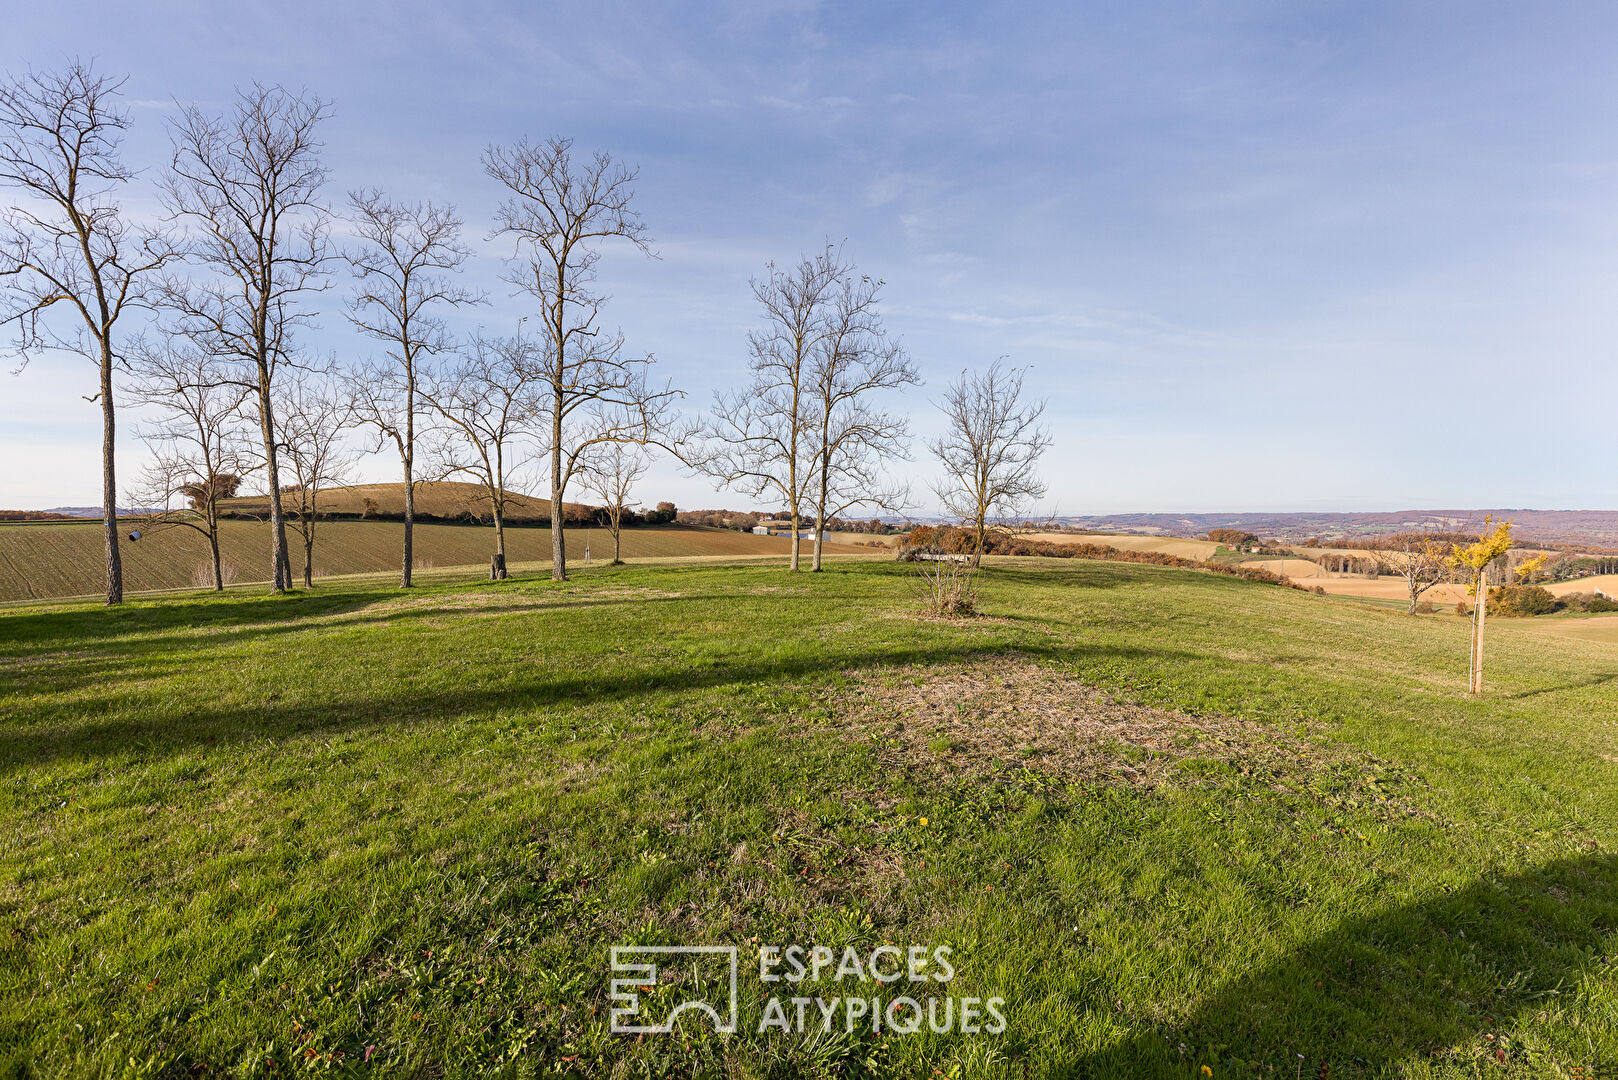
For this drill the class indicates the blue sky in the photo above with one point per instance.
(1260, 256)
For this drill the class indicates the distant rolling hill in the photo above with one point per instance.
(1548, 526)
(446, 500)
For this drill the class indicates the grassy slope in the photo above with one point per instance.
(51, 560)
(244, 834)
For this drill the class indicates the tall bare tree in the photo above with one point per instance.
(559, 213)
(486, 400)
(991, 444)
(761, 438)
(854, 438)
(315, 413)
(611, 472)
(409, 252)
(201, 443)
(67, 243)
(248, 184)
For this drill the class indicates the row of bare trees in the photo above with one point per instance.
(228, 277)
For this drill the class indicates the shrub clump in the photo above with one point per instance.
(1522, 600)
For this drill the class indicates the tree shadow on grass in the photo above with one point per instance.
(71, 668)
(25, 632)
(1578, 684)
(35, 736)
(1453, 980)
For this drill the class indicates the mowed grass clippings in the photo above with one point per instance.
(1176, 821)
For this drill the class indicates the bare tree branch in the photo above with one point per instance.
(487, 401)
(761, 438)
(853, 438)
(991, 443)
(559, 212)
(201, 443)
(314, 411)
(410, 251)
(611, 471)
(66, 248)
(247, 184)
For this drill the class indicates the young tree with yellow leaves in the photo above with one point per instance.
(1472, 561)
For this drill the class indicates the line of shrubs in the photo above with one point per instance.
(952, 540)
(1528, 600)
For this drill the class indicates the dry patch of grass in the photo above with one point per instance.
(997, 717)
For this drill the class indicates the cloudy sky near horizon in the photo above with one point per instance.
(1259, 256)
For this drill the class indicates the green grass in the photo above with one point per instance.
(353, 831)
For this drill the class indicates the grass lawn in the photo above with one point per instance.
(1182, 824)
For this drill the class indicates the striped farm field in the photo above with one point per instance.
(447, 499)
(52, 559)
(1168, 545)
(1607, 583)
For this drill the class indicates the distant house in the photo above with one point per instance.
(781, 528)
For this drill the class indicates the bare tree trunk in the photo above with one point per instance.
(1415, 592)
(409, 523)
(1478, 617)
(617, 543)
(213, 545)
(498, 571)
(272, 475)
(558, 539)
(309, 551)
(820, 515)
(409, 456)
(109, 481)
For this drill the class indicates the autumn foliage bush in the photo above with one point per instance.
(1522, 600)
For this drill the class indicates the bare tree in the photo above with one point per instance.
(761, 439)
(200, 441)
(315, 413)
(611, 472)
(248, 185)
(486, 400)
(853, 438)
(68, 243)
(1422, 561)
(991, 443)
(559, 213)
(403, 269)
